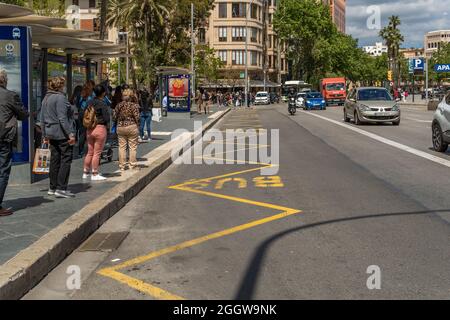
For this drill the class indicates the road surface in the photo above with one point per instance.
(342, 201)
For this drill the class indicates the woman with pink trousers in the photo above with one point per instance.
(96, 137)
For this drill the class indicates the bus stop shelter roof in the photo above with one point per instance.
(167, 70)
(34, 19)
(12, 11)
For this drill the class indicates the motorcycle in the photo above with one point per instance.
(292, 108)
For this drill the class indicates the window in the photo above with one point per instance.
(270, 61)
(282, 64)
(238, 10)
(76, 2)
(201, 35)
(238, 33)
(254, 11)
(222, 34)
(222, 10)
(253, 58)
(238, 57)
(92, 4)
(223, 55)
(254, 35)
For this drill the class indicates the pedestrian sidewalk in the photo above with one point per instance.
(36, 213)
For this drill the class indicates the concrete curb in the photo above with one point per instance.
(26, 269)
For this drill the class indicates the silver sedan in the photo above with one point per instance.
(371, 104)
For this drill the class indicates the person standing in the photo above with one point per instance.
(127, 117)
(200, 101)
(11, 110)
(96, 136)
(87, 95)
(146, 114)
(58, 129)
(207, 99)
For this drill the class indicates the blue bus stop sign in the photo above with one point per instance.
(15, 55)
(442, 67)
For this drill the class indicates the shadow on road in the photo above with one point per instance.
(250, 281)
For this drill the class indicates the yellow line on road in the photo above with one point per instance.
(139, 285)
(112, 271)
(158, 293)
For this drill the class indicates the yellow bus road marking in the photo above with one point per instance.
(189, 186)
(139, 285)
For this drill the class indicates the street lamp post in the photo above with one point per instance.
(246, 54)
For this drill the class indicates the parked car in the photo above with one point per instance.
(314, 100)
(440, 127)
(371, 104)
(300, 100)
(262, 97)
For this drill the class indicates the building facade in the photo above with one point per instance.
(226, 32)
(377, 50)
(413, 53)
(338, 10)
(434, 40)
(84, 15)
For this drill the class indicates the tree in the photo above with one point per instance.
(160, 25)
(207, 63)
(442, 56)
(393, 38)
(308, 30)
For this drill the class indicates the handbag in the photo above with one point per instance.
(41, 164)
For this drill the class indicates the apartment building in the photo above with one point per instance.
(377, 50)
(84, 15)
(338, 10)
(434, 40)
(226, 32)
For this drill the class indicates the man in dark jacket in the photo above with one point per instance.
(11, 110)
(146, 106)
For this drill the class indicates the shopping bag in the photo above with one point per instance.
(157, 116)
(41, 164)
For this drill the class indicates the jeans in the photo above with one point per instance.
(5, 167)
(60, 162)
(128, 136)
(96, 142)
(146, 120)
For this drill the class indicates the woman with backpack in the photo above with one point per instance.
(96, 121)
(127, 117)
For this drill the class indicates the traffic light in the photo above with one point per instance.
(390, 75)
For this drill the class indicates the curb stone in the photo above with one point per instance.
(20, 274)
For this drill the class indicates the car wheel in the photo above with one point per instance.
(346, 118)
(438, 139)
(356, 117)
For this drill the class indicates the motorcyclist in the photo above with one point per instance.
(291, 93)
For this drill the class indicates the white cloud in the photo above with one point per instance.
(417, 17)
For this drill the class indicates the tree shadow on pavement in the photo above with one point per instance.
(250, 281)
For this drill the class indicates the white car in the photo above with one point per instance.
(440, 127)
(300, 100)
(262, 97)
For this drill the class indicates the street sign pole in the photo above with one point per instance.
(413, 88)
(426, 80)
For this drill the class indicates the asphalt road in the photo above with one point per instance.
(342, 201)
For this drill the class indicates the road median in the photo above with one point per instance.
(31, 265)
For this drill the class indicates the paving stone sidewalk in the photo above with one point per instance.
(36, 213)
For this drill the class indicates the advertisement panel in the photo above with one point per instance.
(15, 46)
(179, 97)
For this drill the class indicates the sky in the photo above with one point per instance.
(417, 18)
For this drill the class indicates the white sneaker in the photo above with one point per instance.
(140, 140)
(98, 177)
(86, 176)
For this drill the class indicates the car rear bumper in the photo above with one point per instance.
(335, 100)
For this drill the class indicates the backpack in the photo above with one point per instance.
(90, 118)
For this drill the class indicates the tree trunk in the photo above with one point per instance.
(103, 8)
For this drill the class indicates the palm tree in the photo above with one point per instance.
(393, 38)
